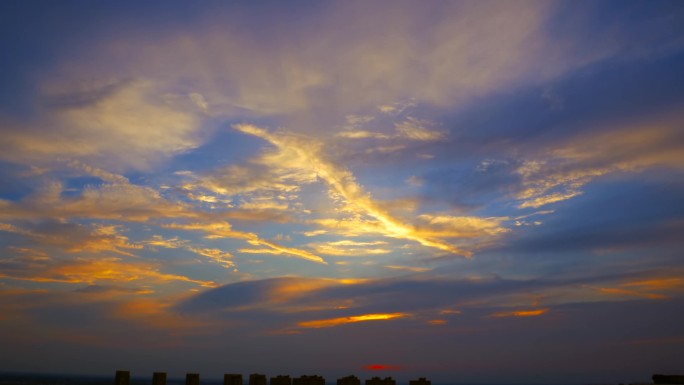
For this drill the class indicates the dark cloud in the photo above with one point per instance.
(421, 293)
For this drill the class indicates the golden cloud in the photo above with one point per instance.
(92, 271)
(224, 230)
(331, 322)
(521, 313)
(305, 154)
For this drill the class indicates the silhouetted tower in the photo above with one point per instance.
(349, 380)
(122, 377)
(420, 381)
(192, 379)
(159, 378)
(257, 379)
(232, 379)
(281, 380)
(309, 380)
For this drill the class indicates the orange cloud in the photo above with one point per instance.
(155, 314)
(631, 293)
(658, 283)
(325, 323)
(92, 271)
(653, 288)
(76, 239)
(521, 313)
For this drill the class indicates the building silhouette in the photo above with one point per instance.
(349, 380)
(159, 378)
(381, 381)
(281, 380)
(308, 380)
(122, 377)
(420, 381)
(257, 379)
(192, 379)
(232, 379)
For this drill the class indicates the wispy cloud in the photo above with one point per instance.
(305, 154)
(224, 230)
(629, 148)
(351, 248)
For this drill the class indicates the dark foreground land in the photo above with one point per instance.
(65, 379)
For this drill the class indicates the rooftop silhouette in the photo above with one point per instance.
(381, 381)
(257, 379)
(232, 379)
(349, 380)
(281, 380)
(123, 377)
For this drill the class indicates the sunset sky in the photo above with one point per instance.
(483, 192)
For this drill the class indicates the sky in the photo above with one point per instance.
(468, 191)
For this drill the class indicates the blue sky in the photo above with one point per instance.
(468, 191)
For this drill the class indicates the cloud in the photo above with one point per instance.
(159, 241)
(520, 313)
(112, 289)
(128, 125)
(448, 226)
(326, 323)
(117, 199)
(410, 129)
(274, 294)
(219, 256)
(623, 148)
(95, 270)
(408, 268)
(223, 258)
(653, 288)
(329, 302)
(74, 238)
(416, 129)
(258, 176)
(305, 154)
(360, 134)
(447, 61)
(224, 230)
(396, 108)
(351, 248)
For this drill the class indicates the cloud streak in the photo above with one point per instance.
(341, 182)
